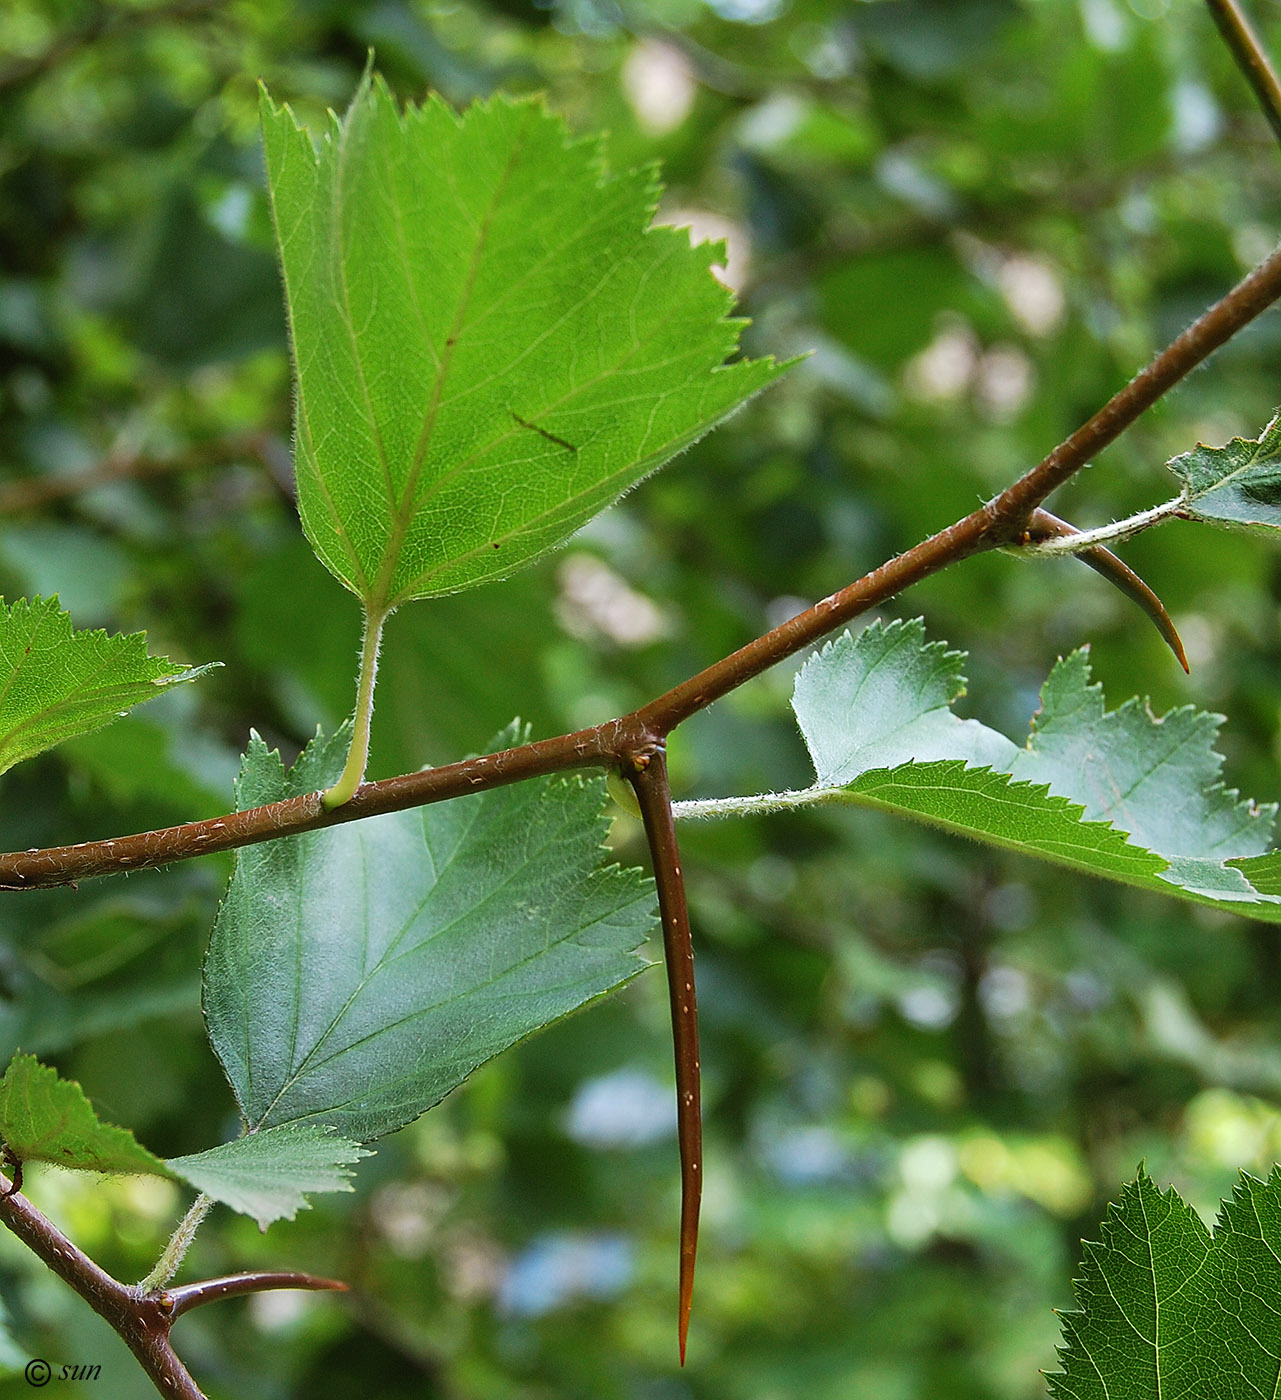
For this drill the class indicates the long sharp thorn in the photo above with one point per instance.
(1104, 562)
(649, 780)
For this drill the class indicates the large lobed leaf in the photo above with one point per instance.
(490, 346)
(358, 974)
(1169, 1311)
(1121, 793)
(57, 683)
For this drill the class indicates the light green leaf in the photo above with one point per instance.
(1157, 779)
(45, 1118)
(1121, 794)
(1238, 485)
(56, 683)
(883, 700)
(358, 974)
(988, 806)
(264, 1174)
(1169, 1311)
(490, 347)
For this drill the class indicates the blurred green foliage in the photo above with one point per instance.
(928, 1066)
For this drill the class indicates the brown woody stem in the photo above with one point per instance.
(143, 1318)
(1251, 58)
(613, 744)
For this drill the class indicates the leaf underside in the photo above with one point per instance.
(1169, 1311)
(1237, 485)
(358, 974)
(57, 683)
(45, 1118)
(1122, 794)
(490, 345)
(266, 1174)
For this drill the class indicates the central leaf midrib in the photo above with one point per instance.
(404, 506)
(1232, 478)
(298, 1071)
(490, 981)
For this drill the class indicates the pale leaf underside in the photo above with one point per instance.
(267, 1174)
(1120, 793)
(358, 974)
(1237, 485)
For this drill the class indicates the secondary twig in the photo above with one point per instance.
(614, 744)
(1251, 58)
(142, 1318)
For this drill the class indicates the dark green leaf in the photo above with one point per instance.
(1237, 485)
(1169, 1311)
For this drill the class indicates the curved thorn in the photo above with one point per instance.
(648, 777)
(1043, 525)
(177, 1301)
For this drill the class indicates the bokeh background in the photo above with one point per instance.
(928, 1066)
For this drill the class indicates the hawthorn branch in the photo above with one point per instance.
(615, 744)
(143, 1318)
(1251, 58)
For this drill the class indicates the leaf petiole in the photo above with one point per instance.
(1083, 540)
(353, 773)
(179, 1243)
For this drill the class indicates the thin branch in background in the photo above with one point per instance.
(615, 744)
(648, 776)
(106, 22)
(1251, 58)
(34, 493)
(994, 525)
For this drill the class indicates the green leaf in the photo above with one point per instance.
(1169, 1311)
(490, 346)
(1120, 794)
(56, 683)
(358, 974)
(264, 1174)
(45, 1118)
(897, 689)
(1238, 485)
